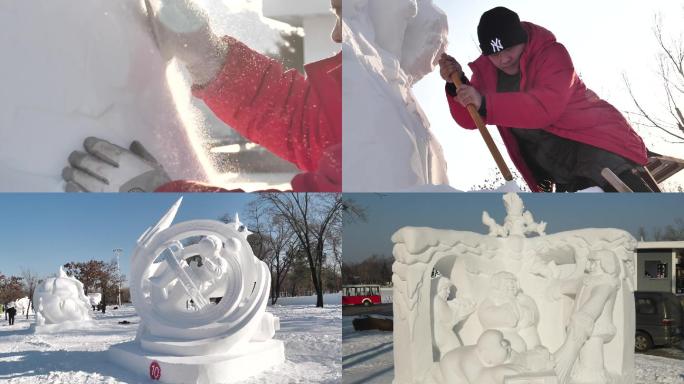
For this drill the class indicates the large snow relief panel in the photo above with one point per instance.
(60, 305)
(201, 295)
(515, 305)
(87, 69)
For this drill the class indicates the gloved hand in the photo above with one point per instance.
(181, 29)
(106, 167)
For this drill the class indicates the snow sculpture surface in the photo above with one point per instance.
(87, 70)
(201, 295)
(388, 46)
(22, 305)
(95, 298)
(60, 305)
(544, 308)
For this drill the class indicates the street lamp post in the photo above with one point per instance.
(117, 253)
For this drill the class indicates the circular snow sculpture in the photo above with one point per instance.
(201, 296)
(60, 304)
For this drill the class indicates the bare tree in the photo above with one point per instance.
(283, 247)
(310, 216)
(11, 289)
(97, 275)
(670, 70)
(30, 280)
(671, 232)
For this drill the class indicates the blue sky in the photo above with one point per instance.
(44, 231)
(386, 213)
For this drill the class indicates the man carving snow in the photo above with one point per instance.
(297, 118)
(558, 132)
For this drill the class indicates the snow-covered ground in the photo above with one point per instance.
(312, 337)
(367, 358)
(366, 355)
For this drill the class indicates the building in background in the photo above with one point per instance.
(660, 266)
(314, 17)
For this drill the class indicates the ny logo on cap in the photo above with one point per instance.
(496, 45)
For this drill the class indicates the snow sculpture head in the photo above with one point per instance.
(504, 285)
(198, 287)
(414, 32)
(602, 262)
(390, 19)
(59, 300)
(443, 287)
(492, 349)
(425, 40)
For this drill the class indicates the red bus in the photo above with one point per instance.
(361, 295)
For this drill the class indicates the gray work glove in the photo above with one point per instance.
(106, 167)
(181, 29)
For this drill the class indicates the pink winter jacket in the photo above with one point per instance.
(295, 117)
(552, 97)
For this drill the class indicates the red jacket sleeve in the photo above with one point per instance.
(269, 106)
(543, 102)
(458, 112)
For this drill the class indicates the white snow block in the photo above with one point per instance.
(105, 78)
(231, 367)
(533, 378)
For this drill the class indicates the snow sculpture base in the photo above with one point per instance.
(62, 327)
(532, 378)
(231, 367)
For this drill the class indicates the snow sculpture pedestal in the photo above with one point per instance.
(549, 309)
(60, 305)
(201, 295)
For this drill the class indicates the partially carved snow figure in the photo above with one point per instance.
(201, 295)
(60, 305)
(388, 46)
(549, 309)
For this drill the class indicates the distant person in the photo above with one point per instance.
(11, 312)
(295, 117)
(559, 134)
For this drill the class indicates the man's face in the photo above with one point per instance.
(508, 60)
(337, 32)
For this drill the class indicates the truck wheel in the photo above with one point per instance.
(642, 342)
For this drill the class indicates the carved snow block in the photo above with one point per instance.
(561, 304)
(532, 378)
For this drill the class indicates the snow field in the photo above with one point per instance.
(312, 336)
